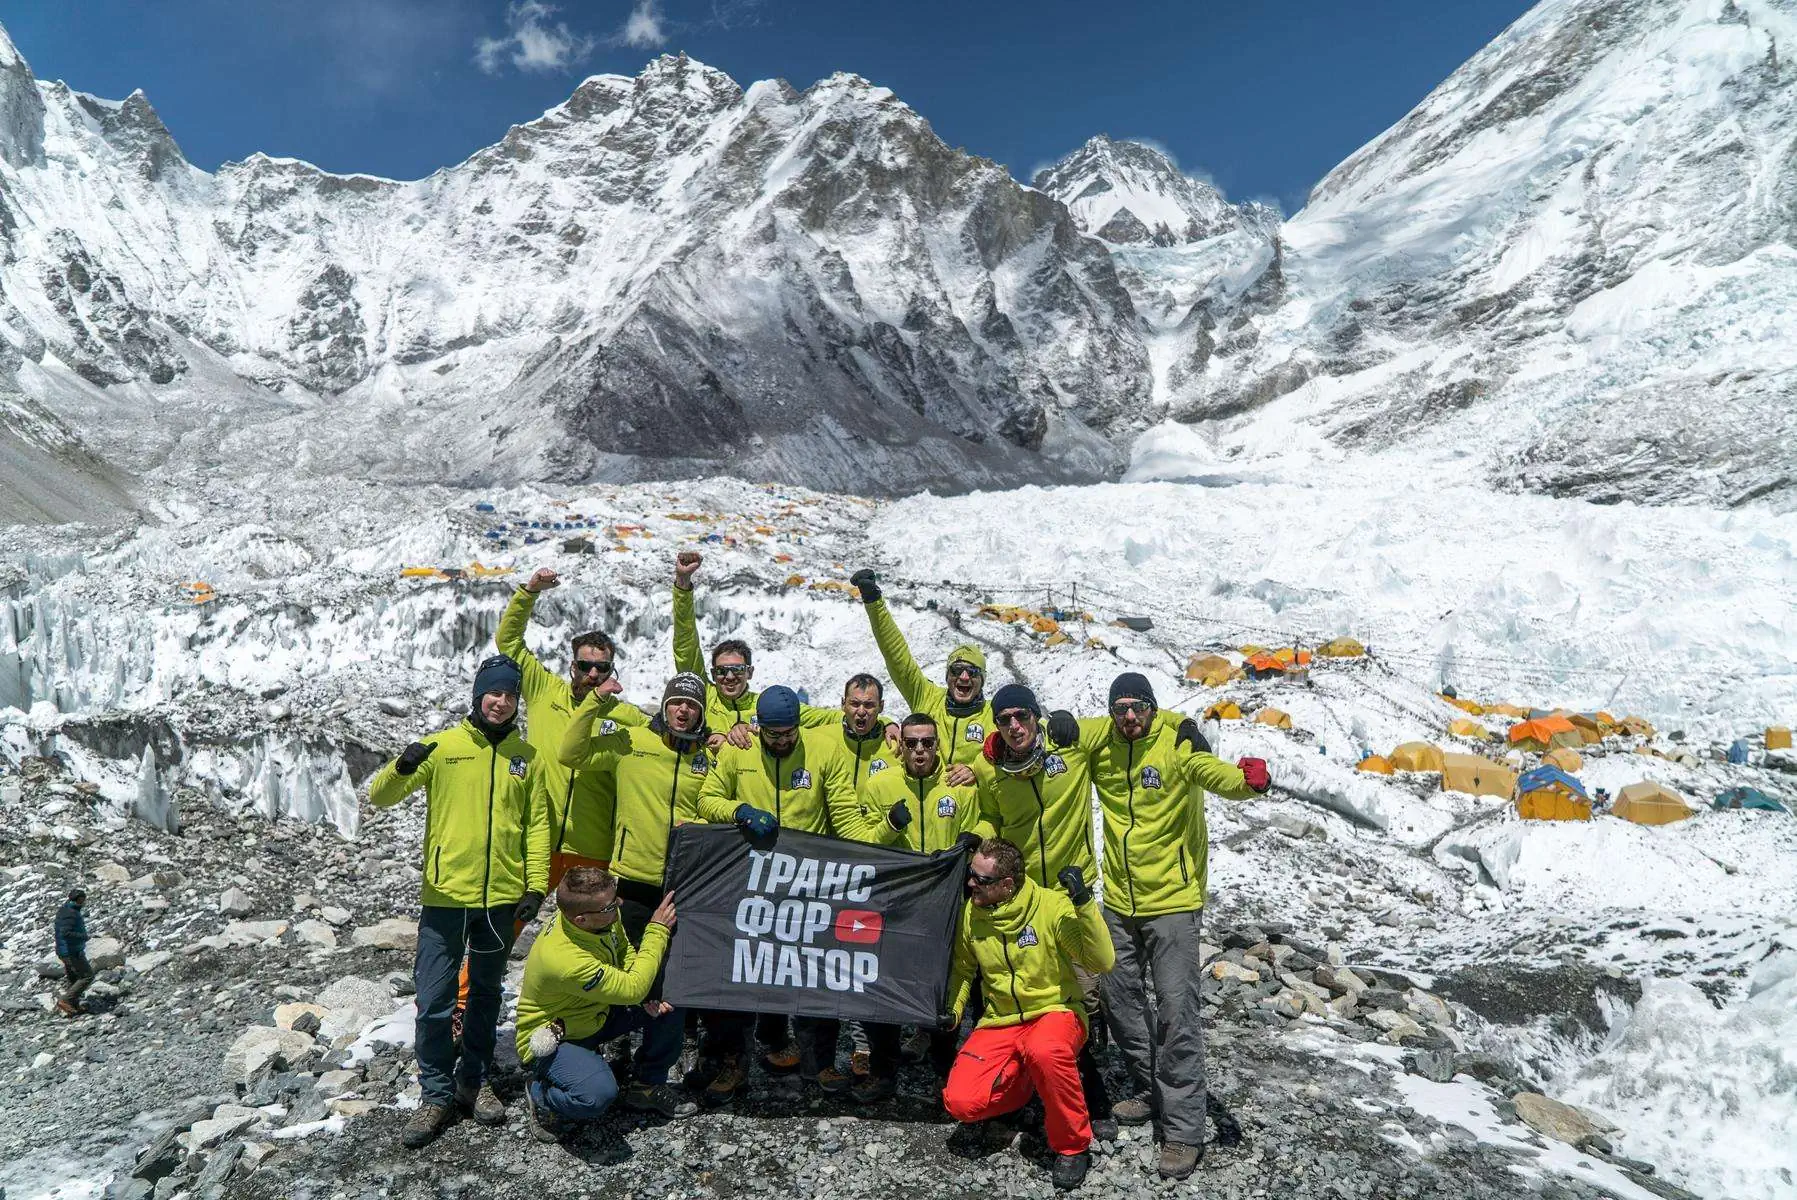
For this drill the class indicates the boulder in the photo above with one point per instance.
(287, 1014)
(1550, 1118)
(235, 902)
(334, 915)
(1395, 1025)
(395, 933)
(1223, 969)
(352, 1005)
(143, 964)
(1339, 981)
(316, 933)
(260, 1045)
(251, 933)
(210, 1132)
(111, 872)
(335, 1083)
(1429, 1008)
(1294, 826)
(105, 953)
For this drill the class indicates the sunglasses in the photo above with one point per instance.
(602, 910)
(779, 735)
(922, 743)
(730, 672)
(962, 668)
(601, 669)
(980, 880)
(1132, 708)
(1014, 716)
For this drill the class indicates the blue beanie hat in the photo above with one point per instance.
(497, 674)
(1014, 695)
(778, 707)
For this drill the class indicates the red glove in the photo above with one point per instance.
(1254, 770)
(993, 747)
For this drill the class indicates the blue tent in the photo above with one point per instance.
(1746, 797)
(1542, 777)
(1737, 752)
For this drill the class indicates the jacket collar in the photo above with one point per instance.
(1011, 916)
(603, 942)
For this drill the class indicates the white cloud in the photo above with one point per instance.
(643, 28)
(534, 41)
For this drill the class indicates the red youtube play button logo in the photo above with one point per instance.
(859, 925)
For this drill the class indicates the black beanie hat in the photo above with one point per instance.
(1014, 695)
(497, 673)
(1132, 686)
(685, 686)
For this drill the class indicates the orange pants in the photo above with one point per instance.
(558, 866)
(999, 1069)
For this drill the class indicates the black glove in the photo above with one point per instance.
(968, 843)
(758, 821)
(1063, 730)
(412, 757)
(528, 907)
(947, 1022)
(867, 583)
(1075, 883)
(1189, 736)
(899, 815)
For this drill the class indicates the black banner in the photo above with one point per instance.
(811, 926)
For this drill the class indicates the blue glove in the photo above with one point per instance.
(757, 821)
(899, 815)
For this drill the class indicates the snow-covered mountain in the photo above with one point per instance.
(664, 275)
(1572, 268)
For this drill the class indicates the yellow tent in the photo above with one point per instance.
(1476, 776)
(1223, 710)
(1778, 737)
(1466, 727)
(1552, 800)
(1507, 710)
(1635, 727)
(1374, 764)
(1341, 647)
(1203, 668)
(1588, 728)
(1650, 804)
(1466, 706)
(1416, 756)
(1273, 717)
(1249, 650)
(1565, 758)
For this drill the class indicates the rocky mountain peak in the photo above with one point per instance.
(21, 107)
(1131, 193)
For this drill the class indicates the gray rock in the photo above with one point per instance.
(210, 1132)
(1395, 1025)
(316, 933)
(235, 902)
(105, 953)
(1550, 1118)
(262, 1045)
(394, 933)
(352, 1004)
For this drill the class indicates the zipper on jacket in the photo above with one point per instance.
(1183, 877)
(486, 877)
(1005, 945)
(1041, 828)
(618, 854)
(923, 830)
(437, 866)
(561, 835)
(1129, 876)
(673, 801)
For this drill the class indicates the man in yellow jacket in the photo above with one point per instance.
(1151, 780)
(584, 985)
(485, 866)
(730, 712)
(963, 717)
(797, 779)
(1022, 942)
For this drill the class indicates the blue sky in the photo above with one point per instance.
(1264, 98)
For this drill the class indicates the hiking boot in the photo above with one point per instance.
(545, 1126)
(1133, 1111)
(915, 1048)
(833, 1082)
(1069, 1170)
(861, 1064)
(1178, 1160)
(424, 1125)
(874, 1089)
(783, 1061)
(722, 1089)
(69, 1009)
(658, 1098)
(1104, 1129)
(700, 1076)
(482, 1103)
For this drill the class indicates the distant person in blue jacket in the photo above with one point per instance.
(71, 948)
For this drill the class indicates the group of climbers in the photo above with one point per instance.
(583, 804)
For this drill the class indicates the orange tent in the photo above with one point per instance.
(1544, 733)
(1223, 710)
(1374, 764)
(1274, 717)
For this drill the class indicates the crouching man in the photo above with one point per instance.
(1023, 941)
(584, 984)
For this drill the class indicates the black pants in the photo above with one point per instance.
(77, 974)
(637, 902)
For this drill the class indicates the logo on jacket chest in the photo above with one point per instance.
(875, 766)
(801, 778)
(945, 806)
(1027, 937)
(607, 727)
(1054, 764)
(701, 765)
(976, 732)
(518, 766)
(1151, 777)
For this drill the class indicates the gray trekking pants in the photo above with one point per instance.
(1161, 1041)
